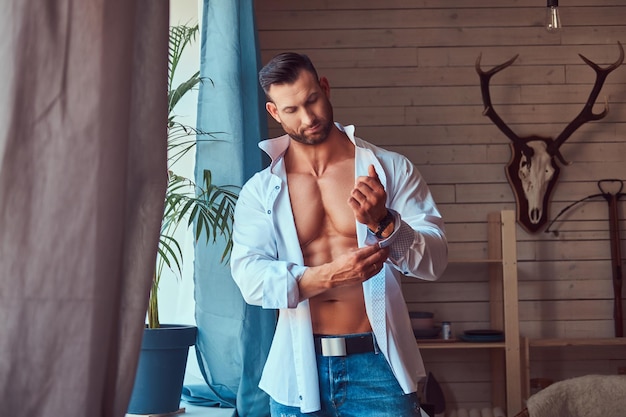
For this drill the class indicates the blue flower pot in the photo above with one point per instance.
(161, 370)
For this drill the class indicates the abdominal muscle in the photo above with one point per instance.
(343, 312)
(339, 310)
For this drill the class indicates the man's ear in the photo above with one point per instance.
(325, 86)
(272, 110)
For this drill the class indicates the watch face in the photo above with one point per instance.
(386, 221)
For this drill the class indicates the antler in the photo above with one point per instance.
(587, 113)
(485, 77)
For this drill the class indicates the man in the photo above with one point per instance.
(324, 235)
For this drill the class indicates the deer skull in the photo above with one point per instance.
(536, 173)
(532, 171)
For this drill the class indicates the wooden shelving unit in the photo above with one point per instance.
(504, 315)
(528, 344)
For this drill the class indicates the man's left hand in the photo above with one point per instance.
(368, 199)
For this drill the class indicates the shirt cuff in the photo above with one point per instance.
(383, 243)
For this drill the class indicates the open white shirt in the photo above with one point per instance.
(267, 262)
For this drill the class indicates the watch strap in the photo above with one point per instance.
(383, 224)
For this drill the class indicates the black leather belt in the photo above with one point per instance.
(343, 346)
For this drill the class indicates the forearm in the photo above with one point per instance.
(314, 281)
(351, 268)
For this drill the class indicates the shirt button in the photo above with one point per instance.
(300, 397)
(269, 212)
(277, 187)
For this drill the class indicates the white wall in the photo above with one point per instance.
(176, 294)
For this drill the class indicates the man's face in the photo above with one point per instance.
(302, 108)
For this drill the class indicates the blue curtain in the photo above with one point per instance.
(233, 338)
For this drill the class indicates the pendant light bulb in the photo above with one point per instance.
(553, 20)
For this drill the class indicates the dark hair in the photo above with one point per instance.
(284, 69)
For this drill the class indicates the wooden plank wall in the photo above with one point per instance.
(403, 72)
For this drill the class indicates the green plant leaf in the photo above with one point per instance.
(182, 89)
(209, 207)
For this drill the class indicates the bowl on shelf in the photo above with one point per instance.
(483, 335)
(421, 320)
(432, 333)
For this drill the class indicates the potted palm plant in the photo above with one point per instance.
(209, 209)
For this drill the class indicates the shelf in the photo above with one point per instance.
(474, 261)
(440, 344)
(611, 341)
(528, 343)
(501, 272)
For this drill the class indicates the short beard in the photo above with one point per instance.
(320, 137)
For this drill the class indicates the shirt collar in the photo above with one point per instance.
(276, 147)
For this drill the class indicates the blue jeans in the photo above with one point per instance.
(358, 385)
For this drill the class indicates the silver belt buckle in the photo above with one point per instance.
(333, 346)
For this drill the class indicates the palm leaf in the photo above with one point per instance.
(182, 89)
(207, 206)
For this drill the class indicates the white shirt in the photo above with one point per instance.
(267, 262)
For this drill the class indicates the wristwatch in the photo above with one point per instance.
(383, 224)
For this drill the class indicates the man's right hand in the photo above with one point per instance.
(351, 268)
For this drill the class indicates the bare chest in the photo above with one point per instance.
(320, 205)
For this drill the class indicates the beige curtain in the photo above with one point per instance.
(82, 180)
